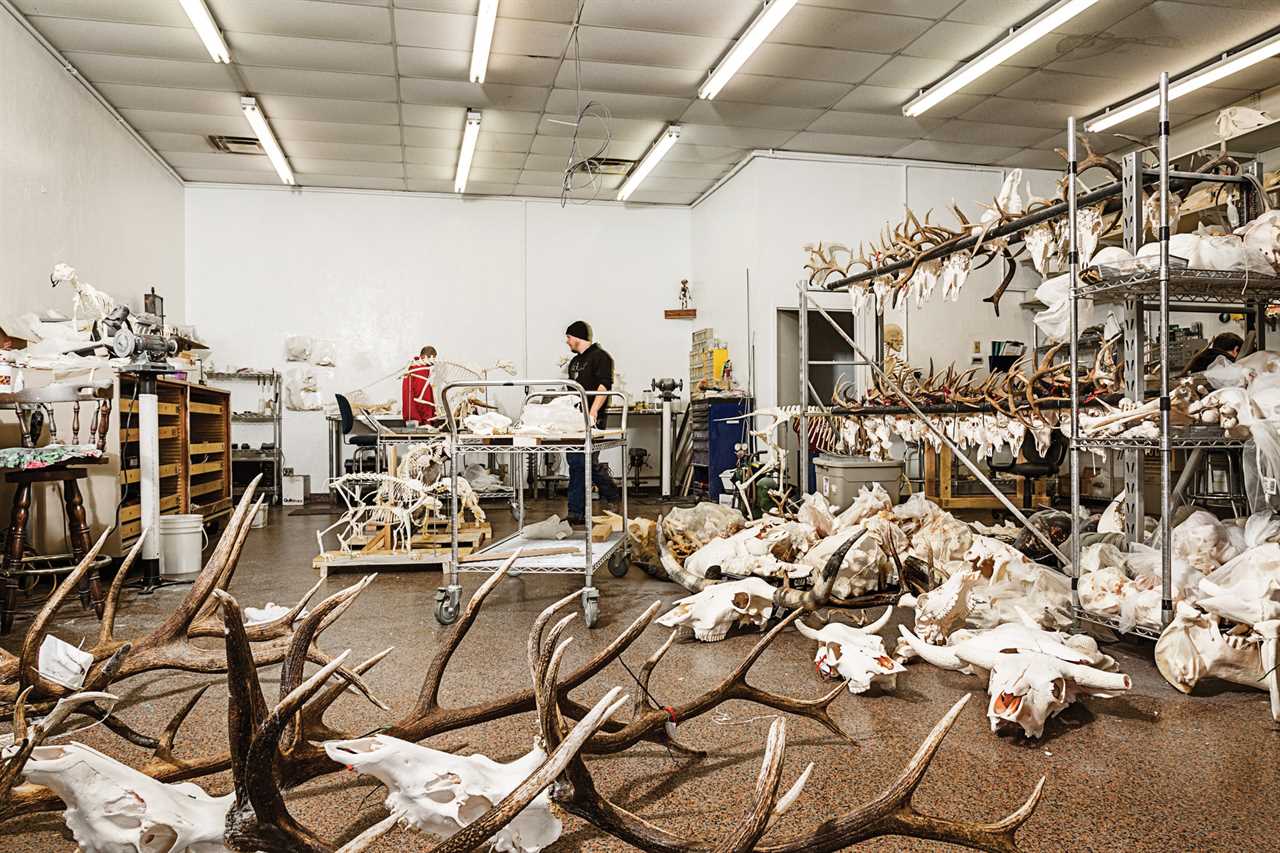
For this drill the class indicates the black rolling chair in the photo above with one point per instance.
(366, 445)
(1034, 465)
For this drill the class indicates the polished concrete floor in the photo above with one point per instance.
(1152, 770)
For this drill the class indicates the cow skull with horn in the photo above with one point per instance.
(854, 654)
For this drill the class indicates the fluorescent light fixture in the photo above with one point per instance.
(206, 29)
(468, 152)
(770, 16)
(268, 139)
(486, 19)
(655, 153)
(1224, 67)
(1017, 40)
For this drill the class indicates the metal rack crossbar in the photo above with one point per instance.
(587, 556)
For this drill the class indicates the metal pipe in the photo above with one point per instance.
(1166, 448)
(955, 449)
(804, 389)
(1073, 270)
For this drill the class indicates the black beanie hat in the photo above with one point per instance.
(579, 329)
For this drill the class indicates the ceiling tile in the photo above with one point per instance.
(499, 159)
(351, 182)
(435, 172)
(955, 41)
(341, 21)
(451, 118)
(637, 47)
(502, 121)
(684, 152)
(955, 152)
(1107, 56)
(166, 142)
(200, 124)
(669, 168)
(784, 91)
(531, 38)
(317, 166)
(430, 186)
(220, 160)
(540, 178)
(566, 101)
(876, 124)
(171, 100)
(561, 11)
(518, 142)
(1062, 88)
(649, 196)
(559, 146)
(844, 143)
(71, 34)
(1032, 158)
(486, 188)
(546, 163)
(1035, 113)
(500, 176)
(343, 151)
(106, 68)
(433, 157)
(321, 131)
(734, 137)
(320, 84)
(228, 176)
(324, 54)
(984, 133)
(918, 8)
(749, 115)
(432, 137)
(641, 130)
(911, 72)
(813, 63)
(823, 27)
(723, 19)
(435, 29)
(1001, 14)
(434, 62)
(460, 93)
(638, 79)
(161, 12)
(328, 109)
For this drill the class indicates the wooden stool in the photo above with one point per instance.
(53, 463)
(78, 533)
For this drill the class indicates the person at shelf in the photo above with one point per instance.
(592, 368)
(1225, 344)
(417, 397)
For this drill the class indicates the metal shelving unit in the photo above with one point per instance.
(1160, 288)
(583, 561)
(271, 459)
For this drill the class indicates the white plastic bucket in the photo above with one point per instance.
(260, 517)
(181, 540)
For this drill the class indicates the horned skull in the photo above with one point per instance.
(112, 808)
(710, 614)
(440, 793)
(856, 655)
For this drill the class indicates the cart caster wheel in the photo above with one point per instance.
(618, 567)
(590, 607)
(446, 607)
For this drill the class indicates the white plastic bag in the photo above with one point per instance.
(302, 390)
(324, 353)
(549, 528)
(1055, 320)
(297, 348)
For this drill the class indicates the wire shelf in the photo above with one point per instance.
(1187, 285)
(1139, 630)
(1195, 438)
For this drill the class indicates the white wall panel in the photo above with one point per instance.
(75, 187)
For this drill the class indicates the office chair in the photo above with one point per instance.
(366, 445)
(1034, 465)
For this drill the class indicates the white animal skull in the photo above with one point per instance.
(710, 614)
(440, 793)
(112, 808)
(856, 655)
(1192, 647)
(943, 609)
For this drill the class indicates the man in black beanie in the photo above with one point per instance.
(592, 368)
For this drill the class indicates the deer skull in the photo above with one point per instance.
(855, 654)
(440, 793)
(112, 808)
(708, 615)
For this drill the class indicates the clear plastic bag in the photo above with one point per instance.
(302, 390)
(297, 348)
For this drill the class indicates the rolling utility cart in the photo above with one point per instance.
(542, 557)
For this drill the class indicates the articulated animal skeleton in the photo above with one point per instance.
(274, 747)
(89, 305)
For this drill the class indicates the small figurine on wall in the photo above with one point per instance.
(686, 311)
(686, 294)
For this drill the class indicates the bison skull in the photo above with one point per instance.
(855, 654)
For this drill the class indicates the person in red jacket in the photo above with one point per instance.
(417, 397)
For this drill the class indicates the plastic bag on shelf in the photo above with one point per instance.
(302, 390)
(1055, 320)
(297, 347)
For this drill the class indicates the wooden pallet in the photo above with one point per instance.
(429, 548)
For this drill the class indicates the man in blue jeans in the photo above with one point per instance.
(592, 368)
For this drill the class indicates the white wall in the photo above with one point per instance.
(382, 274)
(763, 217)
(75, 187)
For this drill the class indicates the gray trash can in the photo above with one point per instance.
(840, 478)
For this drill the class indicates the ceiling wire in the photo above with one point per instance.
(582, 171)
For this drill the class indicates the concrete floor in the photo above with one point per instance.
(1152, 770)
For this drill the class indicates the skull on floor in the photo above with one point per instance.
(854, 654)
(710, 614)
(112, 808)
(440, 793)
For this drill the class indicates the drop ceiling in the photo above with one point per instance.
(372, 93)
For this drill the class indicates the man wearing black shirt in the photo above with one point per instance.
(592, 368)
